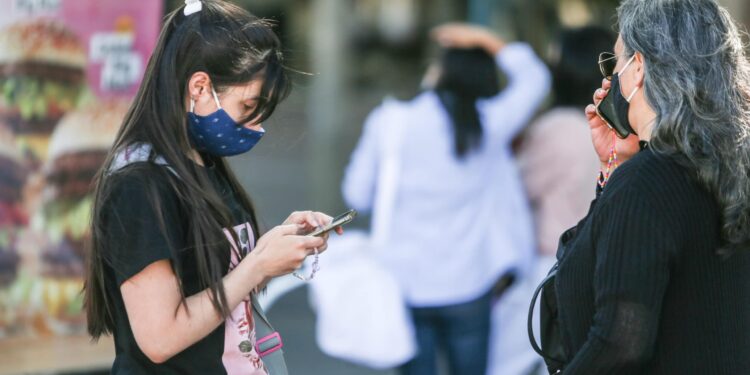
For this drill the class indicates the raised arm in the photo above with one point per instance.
(529, 82)
(529, 79)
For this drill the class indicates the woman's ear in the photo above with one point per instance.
(199, 85)
(199, 91)
(640, 69)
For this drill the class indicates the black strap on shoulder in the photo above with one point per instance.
(530, 319)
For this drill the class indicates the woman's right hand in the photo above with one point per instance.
(282, 250)
(602, 136)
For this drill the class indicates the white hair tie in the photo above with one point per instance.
(193, 6)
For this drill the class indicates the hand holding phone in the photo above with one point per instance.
(602, 132)
(606, 111)
(338, 221)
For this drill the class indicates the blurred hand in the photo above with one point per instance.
(602, 136)
(461, 35)
(282, 250)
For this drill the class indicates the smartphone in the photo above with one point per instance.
(606, 111)
(338, 221)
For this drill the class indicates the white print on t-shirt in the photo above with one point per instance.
(240, 356)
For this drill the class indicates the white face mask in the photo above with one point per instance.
(632, 94)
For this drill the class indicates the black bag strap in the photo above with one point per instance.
(530, 320)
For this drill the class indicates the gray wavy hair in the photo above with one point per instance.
(698, 83)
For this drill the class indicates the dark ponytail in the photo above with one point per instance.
(466, 76)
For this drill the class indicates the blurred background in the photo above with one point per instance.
(70, 68)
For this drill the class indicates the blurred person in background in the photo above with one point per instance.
(175, 290)
(558, 168)
(555, 157)
(460, 221)
(656, 278)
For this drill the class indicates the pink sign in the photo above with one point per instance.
(120, 34)
(68, 72)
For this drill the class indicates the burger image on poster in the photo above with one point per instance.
(42, 73)
(12, 218)
(77, 150)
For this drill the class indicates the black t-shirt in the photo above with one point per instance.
(136, 239)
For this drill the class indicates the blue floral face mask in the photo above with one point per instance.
(218, 134)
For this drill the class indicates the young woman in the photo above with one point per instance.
(175, 290)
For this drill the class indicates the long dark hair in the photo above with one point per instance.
(233, 47)
(466, 75)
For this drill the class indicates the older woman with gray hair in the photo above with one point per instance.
(656, 278)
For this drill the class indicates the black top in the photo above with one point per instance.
(641, 289)
(137, 241)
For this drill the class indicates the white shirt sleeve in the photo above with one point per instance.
(529, 82)
(358, 187)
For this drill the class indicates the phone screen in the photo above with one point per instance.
(606, 110)
(338, 221)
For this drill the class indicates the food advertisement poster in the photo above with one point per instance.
(68, 72)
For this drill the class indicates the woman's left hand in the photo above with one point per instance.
(308, 221)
